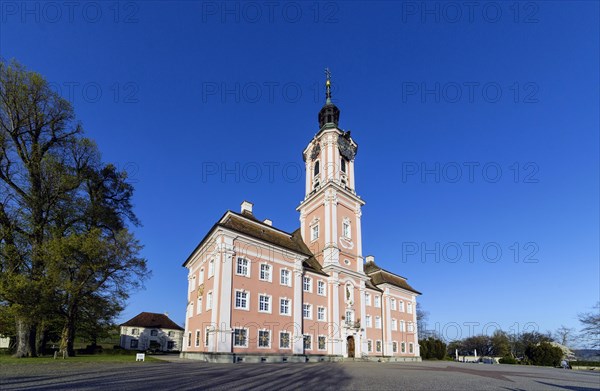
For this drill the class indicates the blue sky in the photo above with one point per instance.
(477, 131)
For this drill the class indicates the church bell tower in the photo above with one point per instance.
(330, 214)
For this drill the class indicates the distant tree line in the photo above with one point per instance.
(67, 257)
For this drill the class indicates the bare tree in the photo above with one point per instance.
(590, 322)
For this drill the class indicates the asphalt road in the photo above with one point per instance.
(180, 374)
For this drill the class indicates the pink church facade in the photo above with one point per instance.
(257, 293)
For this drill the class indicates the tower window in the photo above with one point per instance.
(343, 165)
(316, 168)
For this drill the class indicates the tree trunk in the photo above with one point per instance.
(26, 338)
(68, 333)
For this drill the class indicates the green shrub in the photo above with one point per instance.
(544, 354)
(507, 360)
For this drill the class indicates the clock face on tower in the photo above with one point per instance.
(347, 150)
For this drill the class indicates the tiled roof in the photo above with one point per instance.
(152, 320)
(381, 276)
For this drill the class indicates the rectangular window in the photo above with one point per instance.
(153, 333)
(395, 347)
(199, 309)
(241, 300)
(211, 268)
(284, 340)
(377, 322)
(284, 306)
(411, 327)
(265, 272)
(378, 346)
(197, 337)
(368, 321)
(209, 301)
(242, 267)
(321, 288)
(307, 342)
(394, 324)
(321, 314)
(307, 311)
(189, 339)
(349, 317)
(402, 327)
(135, 331)
(314, 232)
(285, 277)
(393, 304)
(264, 303)
(377, 301)
(346, 230)
(206, 336)
(403, 347)
(264, 339)
(369, 345)
(321, 343)
(401, 306)
(134, 343)
(307, 284)
(411, 348)
(409, 308)
(367, 299)
(170, 345)
(240, 338)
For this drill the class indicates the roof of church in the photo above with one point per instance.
(246, 223)
(381, 276)
(152, 320)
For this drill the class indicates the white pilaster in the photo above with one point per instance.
(387, 323)
(297, 308)
(223, 336)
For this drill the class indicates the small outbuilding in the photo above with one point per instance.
(151, 331)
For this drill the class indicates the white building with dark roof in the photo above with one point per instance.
(151, 331)
(258, 293)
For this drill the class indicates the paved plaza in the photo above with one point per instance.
(178, 374)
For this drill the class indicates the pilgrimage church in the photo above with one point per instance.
(260, 294)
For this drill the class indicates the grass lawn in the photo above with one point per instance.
(99, 358)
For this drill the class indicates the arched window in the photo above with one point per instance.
(343, 165)
(316, 168)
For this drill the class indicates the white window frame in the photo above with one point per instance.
(409, 307)
(370, 345)
(199, 306)
(314, 232)
(307, 284)
(206, 336)
(201, 279)
(289, 306)
(209, 300)
(394, 347)
(288, 278)
(378, 322)
(304, 341)
(367, 299)
(323, 291)
(402, 326)
(393, 304)
(346, 229)
(368, 321)
(269, 272)
(411, 327)
(258, 341)
(378, 346)
(411, 348)
(268, 303)
(247, 298)
(211, 268)
(197, 341)
(402, 347)
(377, 301)
(247, 266)
(321, 314)
(394, 325)
(306, 309)
(233, 337)
(289, 339)
(401, 306)
(319, 341)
